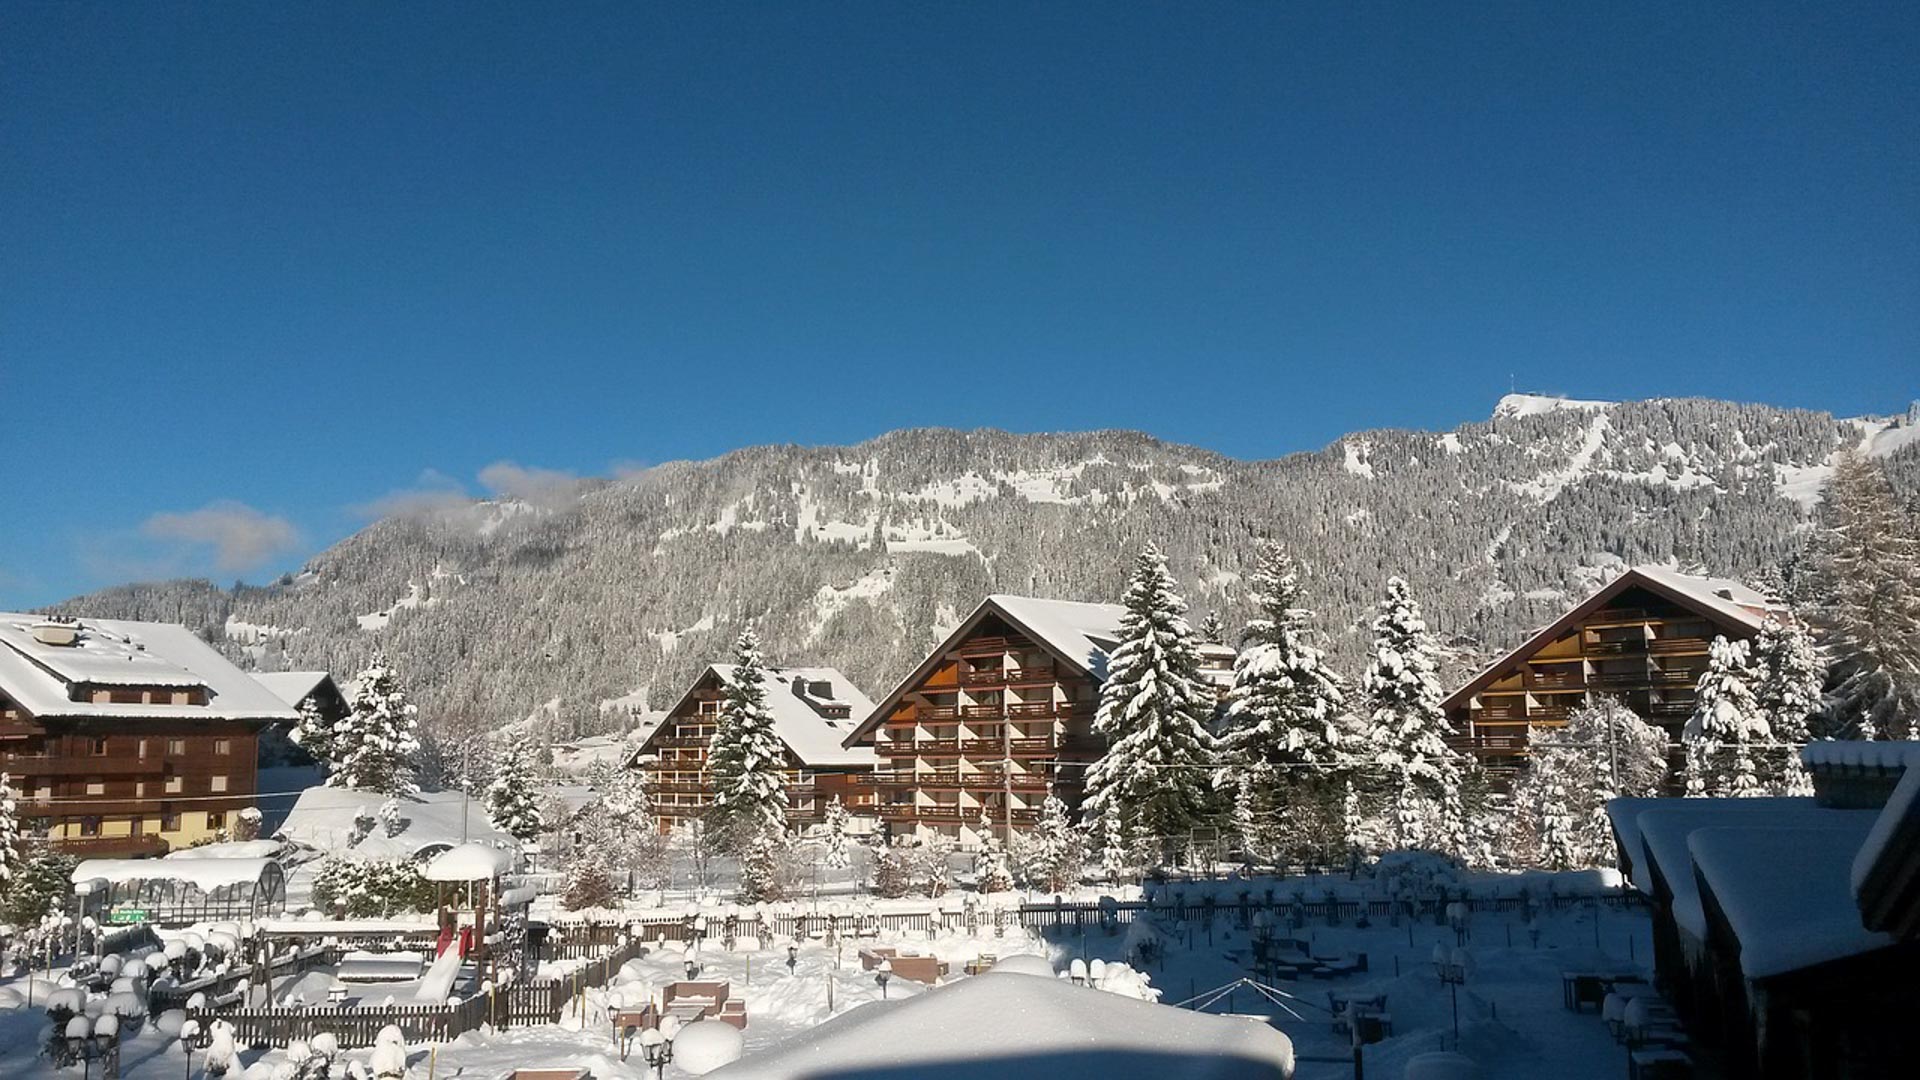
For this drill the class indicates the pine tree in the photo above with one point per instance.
(1286, 706)
(761, 878)
(1603, 751)
(837, 856)
(746, 758)
(991, 870)
(1407, 729)
(314, 734)
(373, 745)
(1154, 709)
(1791, 674)
(11, 860)
(512, 802)
(1055, 855)
(1559, 829)
(1866, 599)
(1211, 630)
(1726, 720)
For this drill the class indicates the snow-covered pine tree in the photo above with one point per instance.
(373, 745)
(1286, 706)
(746, 757)
(1865, 598)
(761, 877)
(314, 734)
(991, 869)
(1154, 711)
(11, 858)
(624, 793)
(1056, 851)
(1791, 673)
(1212, 631)
(1559, 829)
(1407, 730)
(513, 803)
(838, 854)
(1726, 720)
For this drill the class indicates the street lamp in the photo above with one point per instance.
(106, 1040)
(189, 1032)
(693, 969)
(657, 1050)
(1452, 967)
(1077, 972)
(79, 1033)
(881, 975)
(793, 958)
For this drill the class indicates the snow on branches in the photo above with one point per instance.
(746, 757)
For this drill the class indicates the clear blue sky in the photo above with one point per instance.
(281, 260)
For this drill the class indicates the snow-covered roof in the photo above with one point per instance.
(42, 678)
(1881, 853)
(323, 819)
(1022, 1027)
(292, 687)
(232, 849)
(1877, 755)
(1785, 893)
(1079, 633)
(1665, 826)
(208, 874)
(1734, 606)
(468, 862)
(1621, 813)
(815, 737)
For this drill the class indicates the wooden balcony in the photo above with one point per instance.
(1668, 709)
(1621, 647)
(1039, 673)
(1489, 745)
(988, 646)
(113, 847)
(905, 812)
(683, 742)
(983, 677)
(1676, 677)
(82, 766)
(1677, 645)
(981, 712)
(1553, 680)
(679, 787)
(931, 713)
(1037, 710)
(1621, 678)
(994, 780)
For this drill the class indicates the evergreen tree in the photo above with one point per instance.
(1726, 720)
(10, 855)
(1286, 706)
(1407, 729)
(1604, 751)
(746, 758)
(314, 734)
(373, 745)
(1212, 632)
(1559, 829)
(1054, 856)
(1154, 709)
(761, 876)
(837, 856)
(512, 801)
(991, 870)
(1866, 599)
(1791, 674)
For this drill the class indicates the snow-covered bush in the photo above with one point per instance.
(371, 887)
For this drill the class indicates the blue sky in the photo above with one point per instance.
(264, 265)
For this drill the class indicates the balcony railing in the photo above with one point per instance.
(1033, 673)
(906, 812)
(40, 765)
(1677, 645)
(980, 712)
(112, 846)
(1489, 745)
(1619, 647)
(983, 677)
(682, 742)
(981, 646)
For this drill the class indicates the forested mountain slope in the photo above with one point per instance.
(861, 557)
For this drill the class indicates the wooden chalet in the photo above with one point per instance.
(996, 719)
(1642, 639)
(1784, 932)
(126, 738)
(814, 710)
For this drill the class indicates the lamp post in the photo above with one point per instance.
(793, 958)
(106, 1043)
(693, 969)
(189, 1031)
(657, 1050)
(881, 974)
(1452, 967)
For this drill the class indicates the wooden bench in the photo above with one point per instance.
(690, 1001)
(926, 970)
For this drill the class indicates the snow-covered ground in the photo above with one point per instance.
(1511, 1015)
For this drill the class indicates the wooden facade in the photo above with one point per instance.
(996, 720)
(125, 768)
(673, 757)
(1643, 640)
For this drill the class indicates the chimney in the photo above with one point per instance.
(56, 631)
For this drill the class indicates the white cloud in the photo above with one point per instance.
(434, 495)
(241, 537)
(544, 487)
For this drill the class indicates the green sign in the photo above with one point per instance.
(119, 916)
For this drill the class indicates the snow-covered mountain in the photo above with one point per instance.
(861, 557)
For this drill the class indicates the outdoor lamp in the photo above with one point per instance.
(793, 958)
(693, 970)
(189, 1031)
(882, 974)
(655, 1050)
(79, 1033)
(1077, 972)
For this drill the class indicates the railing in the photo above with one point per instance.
(1620, 678)
(983, 677)
(1032, 674)
(1677, 645)
(904, 812)
(108, 846)
(1617, 647)
(1549, 712)
(1560, 680)
(980, 711)
(1035, 709)
(996, 781)
(1679, 677)
(984, 645)
(1489, 744)
(1618, 615)
(937, 712)
(678, 787)
(1671, 708)
(682, 742)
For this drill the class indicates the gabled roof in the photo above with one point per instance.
(294, 687)
(815, 738)
(1074, 633)
(40, 677)
(1733, 607)
(1784, 893)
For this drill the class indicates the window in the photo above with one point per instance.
(217, 784)
(99, 747)
(216, 819)
(96, 786)
(143, 748)
(89, 826)
(173, 785)
(136, 826)
(223, 746)
(169, 821)
(139, 788)
(176, 746)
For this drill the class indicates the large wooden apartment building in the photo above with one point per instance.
(1642, 638)
(126, 738)
(973, 741)
(814, 710)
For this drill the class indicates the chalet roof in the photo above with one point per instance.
(814, 738)
(293, 687)
(40, 677)
(1886, 871)
(1784, 891)
(1733, 607)
(1075, 633)
(323, 819)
